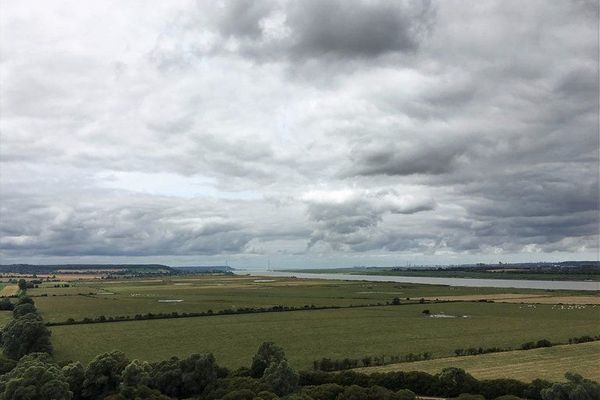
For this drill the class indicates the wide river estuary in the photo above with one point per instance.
(499, 283)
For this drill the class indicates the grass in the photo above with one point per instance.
(130, 297)
(547, 363)
(310, 335)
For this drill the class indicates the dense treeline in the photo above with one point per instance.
(111, 376)
(84, 268)
(328, 364)
(26, 332)
(566, 267)
(28, 372)
(452, 382)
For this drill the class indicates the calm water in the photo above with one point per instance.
(499, 283)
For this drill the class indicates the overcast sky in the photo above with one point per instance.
(307, 133)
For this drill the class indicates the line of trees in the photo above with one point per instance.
(456, 383)
(26, 332)
(472, 351)
(229, 311)
(328, 364)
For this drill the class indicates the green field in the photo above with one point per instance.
(309, 335)
(200, 294)
(546, 363)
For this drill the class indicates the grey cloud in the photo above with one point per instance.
(133, 227)
(327, 29)
(368, 29)
(351, 219)
(405, 158)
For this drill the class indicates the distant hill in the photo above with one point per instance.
(195, 269)
(87, 268)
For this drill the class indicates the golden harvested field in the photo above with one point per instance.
(523, 298)
(547, 363)
(574, 300)
(9, 290)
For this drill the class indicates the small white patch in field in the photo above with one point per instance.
(380, 292)
(170, 301)
(264, 280)
(442, 316)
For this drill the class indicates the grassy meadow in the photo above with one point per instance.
(546, 363)
(310, 335)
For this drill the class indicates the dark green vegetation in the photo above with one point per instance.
(567, 271)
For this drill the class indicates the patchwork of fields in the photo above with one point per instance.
(306, 335)
(198, 294)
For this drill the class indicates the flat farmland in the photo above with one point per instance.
(7, 290)
(547, 363)
(198, 294)
(310, 335)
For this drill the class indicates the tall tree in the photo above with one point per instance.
(25, 335)
(266, 354)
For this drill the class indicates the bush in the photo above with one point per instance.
(25, 335)
(281, 378)
(184, 378)
(328, 391)
(576, 388)
(6, 304)
(453, 381)
(34, 377)
(266, 354)
(24, 309)
(74, 375)
(103, 374)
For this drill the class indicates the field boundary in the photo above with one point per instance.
(175, 315)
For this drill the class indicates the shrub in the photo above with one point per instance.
(281, 378)
(266, 354)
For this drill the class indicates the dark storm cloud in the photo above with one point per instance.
(368, 29)
(306, 30)
(407, 159)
